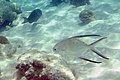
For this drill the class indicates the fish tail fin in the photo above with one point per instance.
(25, 20)
(92, 45)
(99, 53)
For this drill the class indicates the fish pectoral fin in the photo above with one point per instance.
(86, 36)
(89, 60)
(99, 53)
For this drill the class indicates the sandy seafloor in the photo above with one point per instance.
(58, 23)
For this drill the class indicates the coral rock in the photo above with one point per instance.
(86, 16)
(4, 40)
(43, 67)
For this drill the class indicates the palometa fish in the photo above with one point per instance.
(73, 47)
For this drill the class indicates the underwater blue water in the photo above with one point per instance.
(62, 21)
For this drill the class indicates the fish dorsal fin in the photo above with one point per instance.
(91, 35)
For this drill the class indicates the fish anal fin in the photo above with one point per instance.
(89, 60)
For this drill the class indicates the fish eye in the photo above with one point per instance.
(54, 49)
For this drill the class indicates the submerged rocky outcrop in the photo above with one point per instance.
(36, 65)
(76, 3)
(86, 16)
(8, 12)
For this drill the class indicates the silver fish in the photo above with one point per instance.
(73, 47)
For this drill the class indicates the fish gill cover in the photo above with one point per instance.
(26, 49)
